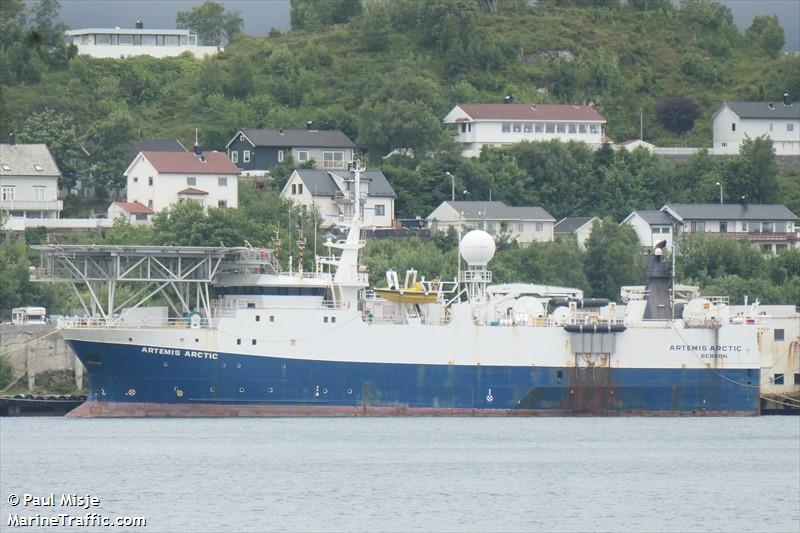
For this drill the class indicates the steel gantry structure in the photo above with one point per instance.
(172, 271)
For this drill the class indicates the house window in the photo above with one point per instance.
(551, 127)
(797, 379)
(594, 128)
(527, 127)
(520, 227)
(190, 180)
(148, 40)
(733, 126)
(506, 127)
(770, 126)
(380, 210)
(150, 204)
(778, 335)
(302, 157)
(7, 193)
(539, 227)
(38, 194)
(222, 203)
(538, 127)
(246, 156)
(294, 188)
(656, 230)
(777, 379)
(141, 216)
(561, 128)
(490, 227)
(280, 156)
(517, 127)
(723, 227)
(135, 180)
(745, 226)
(790, 126)
(333, 159)
(463, 127)
(299, 188)
(581, 128)
(573, 128)
(697, 227)
(150, 180)
(241, 137)
(235, 156)
(222, 181)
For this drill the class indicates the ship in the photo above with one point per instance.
(249, 338)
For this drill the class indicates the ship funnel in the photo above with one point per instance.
(659, 274)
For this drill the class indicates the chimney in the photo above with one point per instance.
(198, 150)
(508, 99)
(12, 139)
(787, 100)
(743, 201)
(310, 126)
(139, 25)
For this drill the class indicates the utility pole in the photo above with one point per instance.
(452, 187)
(641, 123)
(720, 192)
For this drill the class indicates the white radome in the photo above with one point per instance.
(477, 248)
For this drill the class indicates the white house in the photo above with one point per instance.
(771, 226)
(651, 226)
(523, 224)
(779, 121)
(632, 144)
(134, 213)
(580, 227)
(118, 43)
(160, 179)
(476, 125)
(331, 193)
(28, 181)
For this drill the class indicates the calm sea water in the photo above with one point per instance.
(420, 474)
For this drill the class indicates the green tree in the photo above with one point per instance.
(58, 132)
(767, 34)
(375, 26)
(613, 259)
(212, 24)
(410, 127)
(12, 22)
(754, 172)
(44, 22)
(677, 114)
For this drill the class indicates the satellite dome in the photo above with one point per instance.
(477, 248)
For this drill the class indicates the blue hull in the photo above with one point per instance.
(129, 374)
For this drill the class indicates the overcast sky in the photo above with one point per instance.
(262, 15)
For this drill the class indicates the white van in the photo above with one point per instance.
(28, 315)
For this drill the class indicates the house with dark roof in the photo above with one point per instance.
(29, 181)
(575, 227)
(773, 227)
(160, 179)
(256, 151)
(332, 194)
(733, 122)
(156, 145)
(477, 125)
(134, 213)
(523, 224)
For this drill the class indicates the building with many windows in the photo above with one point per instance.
(116, 43)
(523, 224)
(331, 194)
(478, 125)
(28, 181)
(256, 151)
(160, 179)
(733, 122)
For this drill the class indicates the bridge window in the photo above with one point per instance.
(777, 379)
(778, 334)
(253, 342)
(239, 342)
(258, 318)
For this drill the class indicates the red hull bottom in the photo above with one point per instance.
(94, 409)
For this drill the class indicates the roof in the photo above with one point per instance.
(570, 224)
(731, 211)
(297, 138)
(27, 160)
(322, 183)
(532, 112)
(127, 31)
(477, 210)
(192, 190)
(135, 208)
(156, 145)
(652, 216)
(188, 163)
(763, 110)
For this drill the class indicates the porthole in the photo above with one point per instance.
(269, 390)
(324, 391)
(131, 392)
(178, 392)
(241, 389)
(166, 364)
(283, 366)
(238, 365)
(212, 390)
(349, 391)
(197, 340)
(130, 339)
(223, 365)
(181, 339)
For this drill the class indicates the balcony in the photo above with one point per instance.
(753, 236)
(31, 205)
